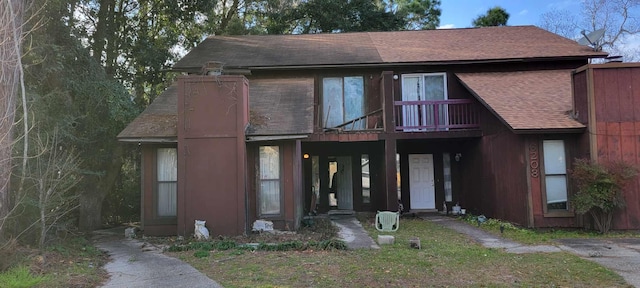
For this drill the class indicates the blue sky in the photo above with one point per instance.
(460, 13)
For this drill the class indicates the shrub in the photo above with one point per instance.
(600, 189)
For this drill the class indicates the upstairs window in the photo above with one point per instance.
(343, 102)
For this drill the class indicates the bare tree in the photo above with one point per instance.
(619, 18)
(10, 74)
(561, 22)
(54, 174)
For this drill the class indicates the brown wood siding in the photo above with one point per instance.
(504, 182)
(581, 111)
(287, 179)
(616, 96)
(211, 153)
(498, 187)
(580, 100)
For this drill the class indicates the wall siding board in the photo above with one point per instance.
(601, 104)
(601, 136)
(613, 141)
(625, 93)
(611, 95)
(628, 142)
(635, 94)
(581, 108)
(616, 96)
(212, 115)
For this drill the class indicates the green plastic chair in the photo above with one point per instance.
(387, 221)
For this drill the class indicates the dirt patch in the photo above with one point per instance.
(321, 230)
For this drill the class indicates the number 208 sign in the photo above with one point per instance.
(534, 162)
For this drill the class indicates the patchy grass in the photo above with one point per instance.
(447, 258)
(18, 277)
(541, 236)
(73, 262)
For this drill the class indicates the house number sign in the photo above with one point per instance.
(534, 163)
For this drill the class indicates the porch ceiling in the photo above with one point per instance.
(526, 100)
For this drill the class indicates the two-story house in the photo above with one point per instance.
(277, 126)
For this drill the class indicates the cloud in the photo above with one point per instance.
(524, 12)
(447, 26)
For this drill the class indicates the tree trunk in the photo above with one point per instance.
(91, 200)
(11, 35)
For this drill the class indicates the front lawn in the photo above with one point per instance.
(447, 258)
(542, 236)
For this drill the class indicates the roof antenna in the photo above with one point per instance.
(592, 39)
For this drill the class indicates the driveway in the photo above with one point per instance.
(619, 255)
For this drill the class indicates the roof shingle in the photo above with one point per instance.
(425, 46)
(277, 107)
(526, 100)
(159, 120)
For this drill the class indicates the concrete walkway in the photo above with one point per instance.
(487, 239)
(352, 232)
(137, 264)
(620, 255)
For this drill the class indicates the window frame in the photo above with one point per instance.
(322, 109)
(421, 77)
(550, 213)
(279, 179)
(158, 219)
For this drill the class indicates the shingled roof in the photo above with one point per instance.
(281, 106)
(526, 101)
(277, 107)
(157, 123)
(367, 48)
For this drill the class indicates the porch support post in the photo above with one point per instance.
(386, 88)
(298, 188)
(391, 199)
(324, 183)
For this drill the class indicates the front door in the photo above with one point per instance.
(344, 187)
(421, 182)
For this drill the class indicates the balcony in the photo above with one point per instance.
(439, 115)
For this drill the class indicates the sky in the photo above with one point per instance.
(460, 13)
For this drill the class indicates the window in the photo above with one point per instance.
(167, 178)
(343, 102)
(424, 87)
(446, 167)
(269, 194)
(366, 179)
(555, 174)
